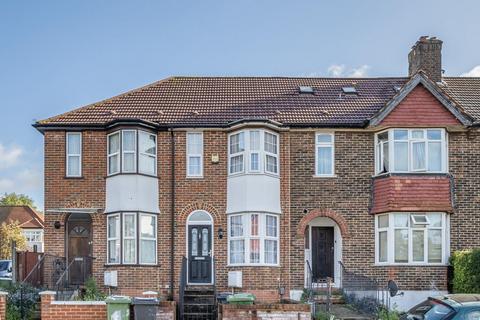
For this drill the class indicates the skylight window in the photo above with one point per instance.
(306, 89)
(349, 90)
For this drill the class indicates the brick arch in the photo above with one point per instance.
(338, 218)
(199, 205)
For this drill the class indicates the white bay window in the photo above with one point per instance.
(411, 238)
(411, 150)
(253, 239)
(253, 151)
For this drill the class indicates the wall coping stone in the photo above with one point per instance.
(3, 293)
(150, 293)
(270, 307)
(79, 303)
(47, 293)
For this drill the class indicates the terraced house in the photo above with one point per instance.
(267, 182)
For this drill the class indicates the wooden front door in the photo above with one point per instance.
(79, 249)
(322, 252)
(199, 254)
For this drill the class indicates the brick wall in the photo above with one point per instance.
(85, 310)
(3, 305)
(266, 311)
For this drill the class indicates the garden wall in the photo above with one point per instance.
(266, 311)
(85, 310)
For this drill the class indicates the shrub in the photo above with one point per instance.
(92, 293)
(21, 297)
(385, 314)
(466, 271)
(320, 315)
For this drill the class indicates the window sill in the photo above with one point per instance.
(408, 173)
(248, 265)
(125, 265)
(325, 176)
(411, 264)
(194, 177)
(74, 177)
(233, 175)
(131, 173)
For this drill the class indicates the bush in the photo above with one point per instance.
(21, 297)
(466, 271)
(385, 314)
(92, 293)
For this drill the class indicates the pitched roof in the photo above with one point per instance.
(220, 101)
(25, 215)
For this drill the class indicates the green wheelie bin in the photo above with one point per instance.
(241, 298)
(118, 307)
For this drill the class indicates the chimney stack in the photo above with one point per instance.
(426, 55)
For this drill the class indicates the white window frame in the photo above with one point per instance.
(134, 152)
(110, 155)
(134, 237)
(325, 144)
(247, 153)
(140, 238)
(118, 237)
(410, 141)
(411, 227)
(154, 156)
(70, 155)
(262, 236)
(36, 234)
(194, 155)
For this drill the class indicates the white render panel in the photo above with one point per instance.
(253, 193)
(132, 192)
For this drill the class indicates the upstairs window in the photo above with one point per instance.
(411, 150)
(74, 154)
(253, 151)
(324, 154)
(194, 154)
(132, 151)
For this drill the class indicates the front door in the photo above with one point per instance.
(322, 252)
(199, 254)
(79, 253)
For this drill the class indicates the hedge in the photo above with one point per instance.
(466, 271)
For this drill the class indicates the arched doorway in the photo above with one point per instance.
(200, 247)
(79, 247)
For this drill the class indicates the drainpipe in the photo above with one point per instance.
(172, 215)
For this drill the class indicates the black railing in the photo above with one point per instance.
(183, 284)
(319, 291)
(215, 301)
(75, 275)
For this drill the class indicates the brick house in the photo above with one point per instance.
(29, 220)
(274, 177)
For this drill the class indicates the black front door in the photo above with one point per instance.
(322, 252)
(200, 254)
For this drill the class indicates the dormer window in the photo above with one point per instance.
(411, 150)
(253, 151)
(132, 151)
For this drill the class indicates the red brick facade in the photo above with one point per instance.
(54, 310)
(3, 305)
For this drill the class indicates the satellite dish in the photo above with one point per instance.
(392, 288)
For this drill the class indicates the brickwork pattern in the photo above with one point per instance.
(3, 305)
(87, 311)
(270, 311)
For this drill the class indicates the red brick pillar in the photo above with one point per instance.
(3, 305)
(46, 298)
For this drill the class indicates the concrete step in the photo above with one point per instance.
(335, 299)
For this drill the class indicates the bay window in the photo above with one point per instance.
(74, 154)
(253, 239)
(253, 151)
(411, 150)
(411, 238)
(132, 151)
(132, 238)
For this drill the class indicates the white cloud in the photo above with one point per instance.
(475, 72)
(9, 156)
(340, 70)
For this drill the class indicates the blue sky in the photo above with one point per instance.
(57, 55)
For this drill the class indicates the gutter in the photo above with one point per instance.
(172, 215)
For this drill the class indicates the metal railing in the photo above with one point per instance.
(183, 284)
(46, 272)
(320, 287)
(75, 274)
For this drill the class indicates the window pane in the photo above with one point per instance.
(147, 143)
(236, 164)
(147, 251)
(270, 143)
(129, 225)
(271, 251)
(73, 143)
(147, 164)
(271, 164)
(418, 245)
(324, 138)
(383, 221)
(386, 157)
(435, 219)
(237, 251)
(114, 251)
(73, 166)
(129, 251)
(236, 226)
(401, 245)
(200, 216)
(194, 143)
(401, 219)
(434, 134)
(255, 251)
(271, 226)
(418, 150)
(114, 143)
(254, 225)
(194, 242)
(434, 156)
(383, 246)
(400, 134)
(401, 156)
(417, 134)
(254, 165)
(113, 231)
(128, 140)
(324, 162)
(194, 166)
(129, 162)
(254, 140)
(205, 240)
(237, 143)
(113, 164)
(435, 246)
(147, 226)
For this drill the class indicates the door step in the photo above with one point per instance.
(334, 299)
(199, 303)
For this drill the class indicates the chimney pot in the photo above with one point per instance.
(426, 55)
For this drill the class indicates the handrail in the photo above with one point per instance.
(309, 281)
(214, 286)
(183, 283)
(63, 277)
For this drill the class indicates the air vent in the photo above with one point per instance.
(349, 90)
(305, 89)
(397, 88)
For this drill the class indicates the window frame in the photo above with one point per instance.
(134, 238)
(190, 155)
(36, 233)
(445, 240)
(325, 144)
(410, 142)
(140, 153)
(247, 237)
(69, 155)
(118, 153)
(154, 239)
(118, 237)
(123, 152)
(247, 153)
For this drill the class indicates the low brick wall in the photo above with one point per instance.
(3, 305)
(167, 310)
(85, 310)
(266, 311)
